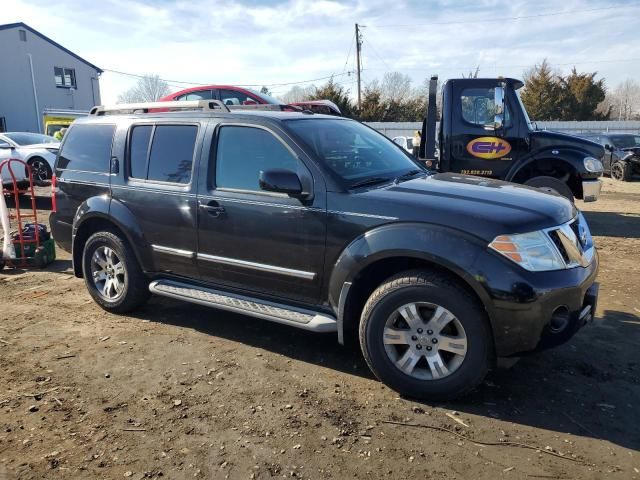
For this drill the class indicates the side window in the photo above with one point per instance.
(243, 152)
(87, 147)
(233, 97)
(172, 153)
(199, 95)
(139, 150)
(478, 106)
(170, 156)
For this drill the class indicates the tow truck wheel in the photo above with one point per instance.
(620, 171)
(424, 336)
(551, 185)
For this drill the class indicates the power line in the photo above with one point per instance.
(504, 19)
(237, 84)
(377, 54)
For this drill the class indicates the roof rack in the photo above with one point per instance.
(205, 105)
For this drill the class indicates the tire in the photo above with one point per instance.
(119, 285)
(41, 171)
(621, 171)
(551, 185)
(434, 295)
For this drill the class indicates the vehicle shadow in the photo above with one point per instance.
(567, 390)
(589, 387)
(613, 224)
(43, 202)
(314, 348)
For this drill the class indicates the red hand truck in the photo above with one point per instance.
(29, 248)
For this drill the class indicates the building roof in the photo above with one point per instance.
(47, 39)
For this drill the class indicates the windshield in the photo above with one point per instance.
(524, 111)
(25, 138)
(625, 141)
(353, 151)
(266, 98)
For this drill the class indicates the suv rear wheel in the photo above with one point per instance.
(425, 336)
(112, 273)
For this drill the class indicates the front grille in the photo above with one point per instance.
(573, 242)
(555, 238)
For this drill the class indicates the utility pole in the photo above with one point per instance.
(359, 63)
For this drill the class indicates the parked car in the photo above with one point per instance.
(405, 142)
(37, 150)
(622, 153)
(233, 96)
(322, 223)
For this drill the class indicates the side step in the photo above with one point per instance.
(275, 312)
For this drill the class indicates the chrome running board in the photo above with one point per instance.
(275, 312)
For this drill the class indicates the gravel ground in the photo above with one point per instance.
(180, 391)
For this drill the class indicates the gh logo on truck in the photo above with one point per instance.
(488, 147)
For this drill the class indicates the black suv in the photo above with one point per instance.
(324, 224)
(622, 153)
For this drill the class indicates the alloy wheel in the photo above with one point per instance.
(108, 273)
(40, 171)
(617, 173)
(425, 341)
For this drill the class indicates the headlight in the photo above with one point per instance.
(532, 251)
(592, 164)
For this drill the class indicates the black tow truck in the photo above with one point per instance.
(485, 131)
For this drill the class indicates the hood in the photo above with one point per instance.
(40, 146)
(634, 150)
(483, 207)
(541, 139)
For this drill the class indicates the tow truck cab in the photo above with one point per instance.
(485, 130)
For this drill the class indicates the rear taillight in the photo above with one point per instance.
(54, 190)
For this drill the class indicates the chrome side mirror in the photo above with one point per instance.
(498, 118)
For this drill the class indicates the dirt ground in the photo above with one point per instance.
(180, 391)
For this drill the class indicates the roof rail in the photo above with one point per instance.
(205, 105)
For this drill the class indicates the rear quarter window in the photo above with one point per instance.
(87, 148)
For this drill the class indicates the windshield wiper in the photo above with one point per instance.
(369, 181)
(408, 175)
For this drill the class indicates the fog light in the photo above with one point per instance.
(559, 320)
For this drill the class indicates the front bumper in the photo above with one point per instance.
(591, 190)
(525, 306)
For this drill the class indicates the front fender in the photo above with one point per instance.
(450, 249)
(570, 156)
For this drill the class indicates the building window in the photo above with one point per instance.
(23, 35)
(65, 77)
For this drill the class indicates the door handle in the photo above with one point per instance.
(213, 208)
(115, 166)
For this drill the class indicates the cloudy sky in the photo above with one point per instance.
(275, 42)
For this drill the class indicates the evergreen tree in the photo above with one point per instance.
(543, 95)
(337, 94)
(583, 94)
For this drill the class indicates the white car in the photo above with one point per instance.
(404, 142)
(37, 150)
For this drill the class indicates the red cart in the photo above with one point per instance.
(31, 249)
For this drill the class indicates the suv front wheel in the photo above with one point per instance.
(112, 273)
(425, 336)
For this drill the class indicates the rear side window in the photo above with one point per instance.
(87, 147)
(243, 152)
(169, 158)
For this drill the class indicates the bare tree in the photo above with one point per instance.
(472, 74)
(149, 88)
(297, 94)
(624, 101)
(396, 87)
